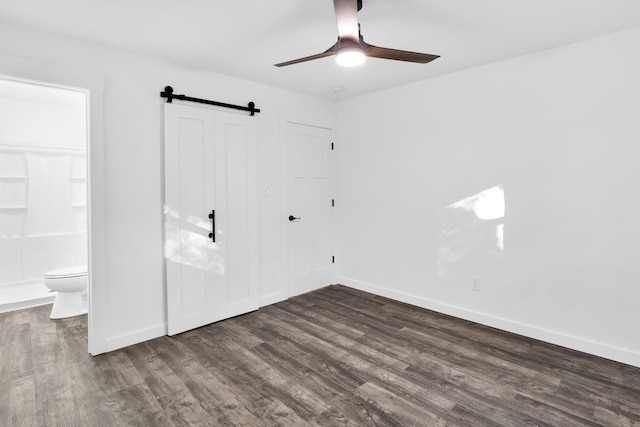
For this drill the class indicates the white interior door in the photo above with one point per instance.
(210, 216)
(309, 205)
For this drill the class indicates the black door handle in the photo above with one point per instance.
(293, 218)
(212, 217)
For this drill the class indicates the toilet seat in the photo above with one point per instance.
(66, 273)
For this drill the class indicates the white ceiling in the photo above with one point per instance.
(244, 38)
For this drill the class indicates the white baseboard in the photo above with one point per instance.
(136, 337)
(157, 331)
(272, 299)
(19, 305)
(587, 346)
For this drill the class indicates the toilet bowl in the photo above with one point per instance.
(70, 285)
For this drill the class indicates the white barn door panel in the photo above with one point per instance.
(210, 216)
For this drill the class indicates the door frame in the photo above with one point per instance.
(91, 83)
(284, 200)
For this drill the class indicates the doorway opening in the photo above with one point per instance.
(43, 187)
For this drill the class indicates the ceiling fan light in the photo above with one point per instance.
(350, 57)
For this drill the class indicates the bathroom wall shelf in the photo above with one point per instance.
(38, 147)
(13, 189)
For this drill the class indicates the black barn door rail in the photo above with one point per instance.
(168, 93)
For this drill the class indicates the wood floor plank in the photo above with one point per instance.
(19, 317)
(312, 312)
(465, 358)
(136, 405)
(277, 413)
(607, 417)
(118, 372)
(341, 325)
(203, 384)
(415, 331)
(470, 356)
(550, 414)
(97, 409)
(620, 401)
(392, 374)
(337, 415)
(323, 385)
(291, 392)
(15, 351)
(400, 410)
(340, 340)
(255, 395)
(335, 356)
(53, 374)
(157, 375)
(182, 408)
(480, 416)
(472, 403)
(464, 366)
(17, 399)
(239, 334)
(331, 368)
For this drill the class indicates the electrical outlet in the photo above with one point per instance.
(475, 283)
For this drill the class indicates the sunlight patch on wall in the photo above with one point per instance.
(472, 231)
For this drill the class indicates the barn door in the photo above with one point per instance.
(309, 205)
(210, 216)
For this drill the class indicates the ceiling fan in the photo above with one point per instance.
(351, 49)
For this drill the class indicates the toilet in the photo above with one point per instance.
(70, 285)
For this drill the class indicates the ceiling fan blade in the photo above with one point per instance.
(347, 17)
(398, 55)
(350, 39)
(329, 52)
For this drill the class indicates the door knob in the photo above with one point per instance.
(293, 218)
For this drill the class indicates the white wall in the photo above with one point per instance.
(133, 296)
(559, 130)
(556, 129)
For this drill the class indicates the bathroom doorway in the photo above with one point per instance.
(43, 187)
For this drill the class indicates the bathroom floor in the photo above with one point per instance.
(23, 296)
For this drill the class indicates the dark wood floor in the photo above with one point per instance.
(335, 356)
